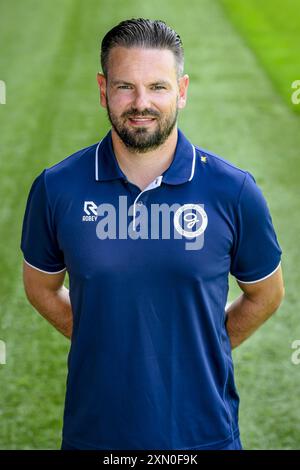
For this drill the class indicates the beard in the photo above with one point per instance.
(140, 139)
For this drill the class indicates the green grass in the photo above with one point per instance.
(241, 57)
(271, 29)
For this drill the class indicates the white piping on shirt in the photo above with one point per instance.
(96, 160)
(47, 272)
(152, 185)
(97, 171)
(193, 164)
(261, 279)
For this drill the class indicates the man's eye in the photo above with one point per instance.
(124, 86)
(159, 87)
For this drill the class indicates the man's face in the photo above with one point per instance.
(142, 95)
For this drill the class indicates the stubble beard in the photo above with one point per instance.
(141, 139)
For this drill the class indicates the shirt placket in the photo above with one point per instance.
(139, 197)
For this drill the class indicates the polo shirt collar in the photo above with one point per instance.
(180, 171)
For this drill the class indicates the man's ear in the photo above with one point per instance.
(183, 87)
(102, 88)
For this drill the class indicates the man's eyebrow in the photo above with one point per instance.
(161, 82)
(123, 82)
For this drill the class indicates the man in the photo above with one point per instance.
(148, 227)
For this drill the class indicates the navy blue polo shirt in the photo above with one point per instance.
(150, 363)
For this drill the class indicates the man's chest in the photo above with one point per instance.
(180, 233)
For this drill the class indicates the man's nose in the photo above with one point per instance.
(141, 100)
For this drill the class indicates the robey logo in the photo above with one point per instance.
(90, 209)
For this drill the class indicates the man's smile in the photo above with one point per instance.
(141, 121)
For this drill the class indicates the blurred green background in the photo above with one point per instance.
(242, 57)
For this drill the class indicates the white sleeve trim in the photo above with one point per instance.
(261, 279)
(47, 272)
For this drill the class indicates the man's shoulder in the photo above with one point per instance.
(219, 164)
(73, 164)
(220, 174)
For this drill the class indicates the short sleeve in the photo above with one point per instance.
(256, 253)
(38, 241)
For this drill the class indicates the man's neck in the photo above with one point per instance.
(142, 168)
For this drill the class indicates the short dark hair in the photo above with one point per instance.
(141, 32)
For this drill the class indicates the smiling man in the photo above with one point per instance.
(149, 227)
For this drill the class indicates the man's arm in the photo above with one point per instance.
(256, 304)
(49, 296)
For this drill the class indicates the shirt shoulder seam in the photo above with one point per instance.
(222, 160)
